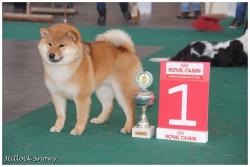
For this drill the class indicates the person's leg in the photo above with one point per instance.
(19, 7)
(123, 6)
(185, 7)
(101, 9)
(134, 12)
(241, 11)
(124, 9)
(240, 14)
(196, 7)
(184, 10)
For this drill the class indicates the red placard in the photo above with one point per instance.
(183, 102)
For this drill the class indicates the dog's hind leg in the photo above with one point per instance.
(124, 94)
(105, 95)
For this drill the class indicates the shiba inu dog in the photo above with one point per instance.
(74, 70)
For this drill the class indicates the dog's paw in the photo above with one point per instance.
(55, 129)
(96, 120)
(76, 132)
(126, 130)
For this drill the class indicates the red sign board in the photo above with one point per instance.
(183, 103)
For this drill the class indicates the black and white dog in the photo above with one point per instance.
(224, 54)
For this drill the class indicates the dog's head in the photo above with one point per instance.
(60, 44)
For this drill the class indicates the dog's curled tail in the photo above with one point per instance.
(118, 38)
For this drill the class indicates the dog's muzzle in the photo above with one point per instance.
(52, 58)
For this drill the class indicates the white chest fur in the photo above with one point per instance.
(58, 81)
(67, 90)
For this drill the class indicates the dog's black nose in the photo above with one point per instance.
(52, 55)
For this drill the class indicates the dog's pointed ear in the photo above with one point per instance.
(72, 36)
(44, 32)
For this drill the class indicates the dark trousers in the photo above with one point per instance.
(20, 7)
(101, 7)
(241, 10)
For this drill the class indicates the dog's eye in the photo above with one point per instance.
(61, 45)
(49, 44)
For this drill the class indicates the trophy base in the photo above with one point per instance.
(143, 132)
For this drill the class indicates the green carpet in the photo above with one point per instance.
(103, 144)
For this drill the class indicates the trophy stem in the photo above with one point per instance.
(143, 122)
(144, 109)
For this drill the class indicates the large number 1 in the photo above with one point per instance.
(183, 121)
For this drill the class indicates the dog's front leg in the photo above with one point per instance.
(82, 115)
(60, 107)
